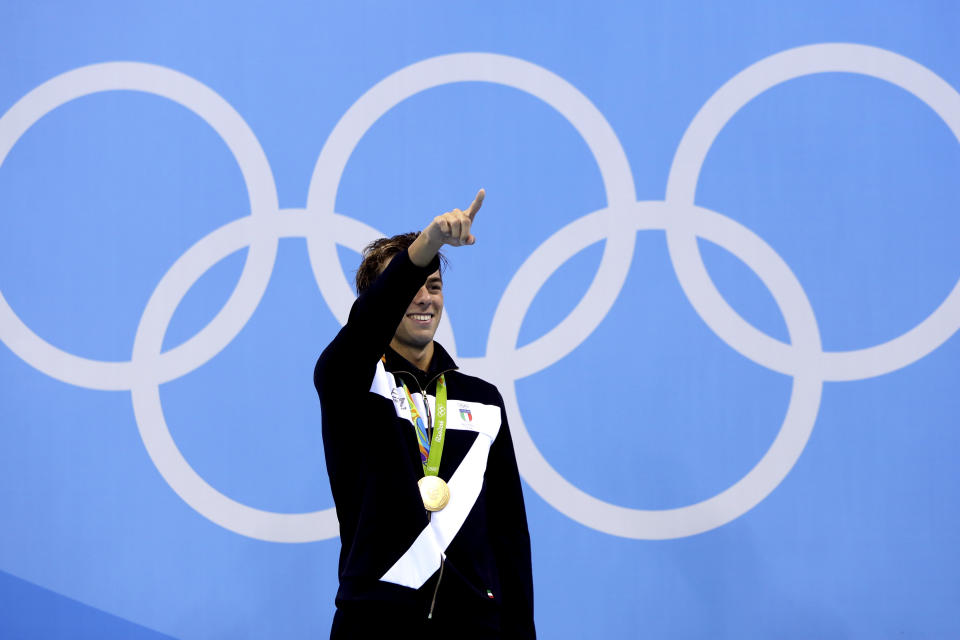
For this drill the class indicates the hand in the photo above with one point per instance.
(452, 228)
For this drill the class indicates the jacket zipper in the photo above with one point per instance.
(423, 394)
(426, 405)
(429, 382)
(436, 588)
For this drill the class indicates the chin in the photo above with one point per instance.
(423, 341)
(417, 340)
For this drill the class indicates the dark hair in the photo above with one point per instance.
(378, 253)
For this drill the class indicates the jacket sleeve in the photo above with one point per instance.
(347, 365)
(510, 536)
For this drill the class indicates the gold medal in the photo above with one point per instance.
(434, 492)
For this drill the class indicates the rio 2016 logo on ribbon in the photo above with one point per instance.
(683, 222)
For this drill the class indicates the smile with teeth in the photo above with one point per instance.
(421, 317)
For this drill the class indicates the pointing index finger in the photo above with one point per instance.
(475, 205)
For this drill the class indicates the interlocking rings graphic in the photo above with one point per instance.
(683, 222)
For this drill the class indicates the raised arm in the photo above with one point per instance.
(352, 355)
(452, 228)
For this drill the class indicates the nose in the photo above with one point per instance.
(422, 297)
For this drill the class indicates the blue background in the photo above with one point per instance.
(852, 181)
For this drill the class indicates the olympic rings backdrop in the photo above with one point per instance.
(716, 281)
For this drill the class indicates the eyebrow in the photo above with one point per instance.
(434, 280)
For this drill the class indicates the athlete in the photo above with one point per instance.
(433, 531)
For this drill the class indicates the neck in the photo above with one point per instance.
(419, 356)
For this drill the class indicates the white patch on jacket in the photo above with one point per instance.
(425, 555)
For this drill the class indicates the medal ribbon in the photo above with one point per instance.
(430, 449)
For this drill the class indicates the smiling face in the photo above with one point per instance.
(422, 318)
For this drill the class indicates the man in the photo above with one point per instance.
(432, 523)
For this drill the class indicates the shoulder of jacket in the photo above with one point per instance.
(475, 384)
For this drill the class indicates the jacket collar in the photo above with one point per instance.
(441, 363)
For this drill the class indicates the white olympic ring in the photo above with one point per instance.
(803, 358)
(682, 182)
